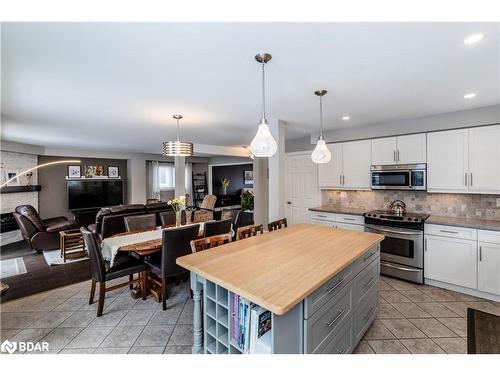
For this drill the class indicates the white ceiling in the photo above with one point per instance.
(116, 85)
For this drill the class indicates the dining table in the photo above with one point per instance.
(147, 248)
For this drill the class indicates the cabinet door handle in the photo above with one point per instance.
(397, 156)
(480, 253)
(425, 245)
(471, 183)
(337, 317)
(369, 282)
(340, 179)
(368, 256)
(394, 155)
(466, 179)
(335, 286)
(448, 231)
(369, 313)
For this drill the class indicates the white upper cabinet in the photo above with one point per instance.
(411, 149)
(405, 149)
(484, 159)
(384, 151)
(447, 161)
(356, 161)
(330, 174)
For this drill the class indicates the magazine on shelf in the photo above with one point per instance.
(260, 331)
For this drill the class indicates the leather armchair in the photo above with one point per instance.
(41, 234)
(204, 212)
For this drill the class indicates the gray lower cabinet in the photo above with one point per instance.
(337, 315)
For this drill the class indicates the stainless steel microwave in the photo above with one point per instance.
(399, 177)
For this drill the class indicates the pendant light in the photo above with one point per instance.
(177, 148)
(321, 153)
(263, 144)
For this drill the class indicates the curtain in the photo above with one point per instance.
(153, 183)
(189, 183)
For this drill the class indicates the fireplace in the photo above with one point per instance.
(7, 223)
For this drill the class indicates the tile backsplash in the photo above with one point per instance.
(454, 205)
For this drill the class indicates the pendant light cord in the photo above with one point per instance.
(178, 131)
(321, 117)
(263, 92)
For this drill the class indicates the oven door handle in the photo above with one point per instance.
(394, 231)
(399, 267)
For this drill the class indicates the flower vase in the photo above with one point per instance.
(178, 218)
(224, 191)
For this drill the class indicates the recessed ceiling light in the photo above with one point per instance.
(474, 38)
(346, 118)
(470, 95)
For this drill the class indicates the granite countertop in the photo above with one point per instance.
(340, 210)
(464, 222)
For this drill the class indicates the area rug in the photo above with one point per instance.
(12, 267)
(53, 258)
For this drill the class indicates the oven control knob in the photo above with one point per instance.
(368, 215)
(415, 219)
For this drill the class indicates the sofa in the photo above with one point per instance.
(110, 220)
(41, 234)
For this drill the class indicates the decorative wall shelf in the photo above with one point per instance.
(93, 178)
(20, 189)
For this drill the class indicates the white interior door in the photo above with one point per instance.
(301, 187)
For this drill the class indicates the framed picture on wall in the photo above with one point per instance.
(113, 172)
(94, 171)
(11, 174)
(248, 177)
(74, 171)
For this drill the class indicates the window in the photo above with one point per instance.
(167, 176)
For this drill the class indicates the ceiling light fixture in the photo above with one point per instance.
(263, 144)
(346, 118)
(470, 95)
(474, 38)
(177, 148)
(321, 153)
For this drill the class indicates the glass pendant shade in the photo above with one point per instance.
(321, 153)
(263, 144)
(176, 148)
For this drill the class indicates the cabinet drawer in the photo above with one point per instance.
(364, 282)
(329, 216)
(363, 261)
(327, 291)
(323, 222)
(452, 232)
(365, 313)
(341, 343)
(327, 321)
(489, 236)
(355, 227)
(351, 219)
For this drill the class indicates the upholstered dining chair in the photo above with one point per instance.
(278, 224)
(176, 242)
(204, 212)
(209, 242)
(483, 332)
(167, 218)
(250, 231)
(214, 228)
(140, 222)
(126, 266)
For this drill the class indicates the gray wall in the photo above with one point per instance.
(52, 199)
(450, 120)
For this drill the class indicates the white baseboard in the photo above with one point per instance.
(461, 289)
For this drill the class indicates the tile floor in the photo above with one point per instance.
(420, 319)
(412, 319)
(63, 318)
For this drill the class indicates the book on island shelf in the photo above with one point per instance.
(251, 326)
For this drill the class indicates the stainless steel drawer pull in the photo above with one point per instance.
(368, 256)
(480, 253)
(337, 317)
(369, 282)
(321, 216)
(336, 285)
(448, 231)
(349, 219)
(369, 313)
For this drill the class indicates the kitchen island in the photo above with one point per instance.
(320, 285)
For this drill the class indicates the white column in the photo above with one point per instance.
(180, 175)
(277, 172)
(136, 181)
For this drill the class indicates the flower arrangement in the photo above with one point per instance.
(224, 183)
(178, 205)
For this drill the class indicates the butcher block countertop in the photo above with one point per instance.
(277, 270)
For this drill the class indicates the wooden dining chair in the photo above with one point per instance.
(126, 266)
(175, 243)
(278, 224)
(140, 222)
(250, 231)
(483, 332)
(209, 242)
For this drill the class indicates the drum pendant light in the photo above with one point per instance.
(321, 153)
(263, 144)
(177, 148)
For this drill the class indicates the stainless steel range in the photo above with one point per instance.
(402, 250)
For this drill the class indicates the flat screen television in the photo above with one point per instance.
(84, 194)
